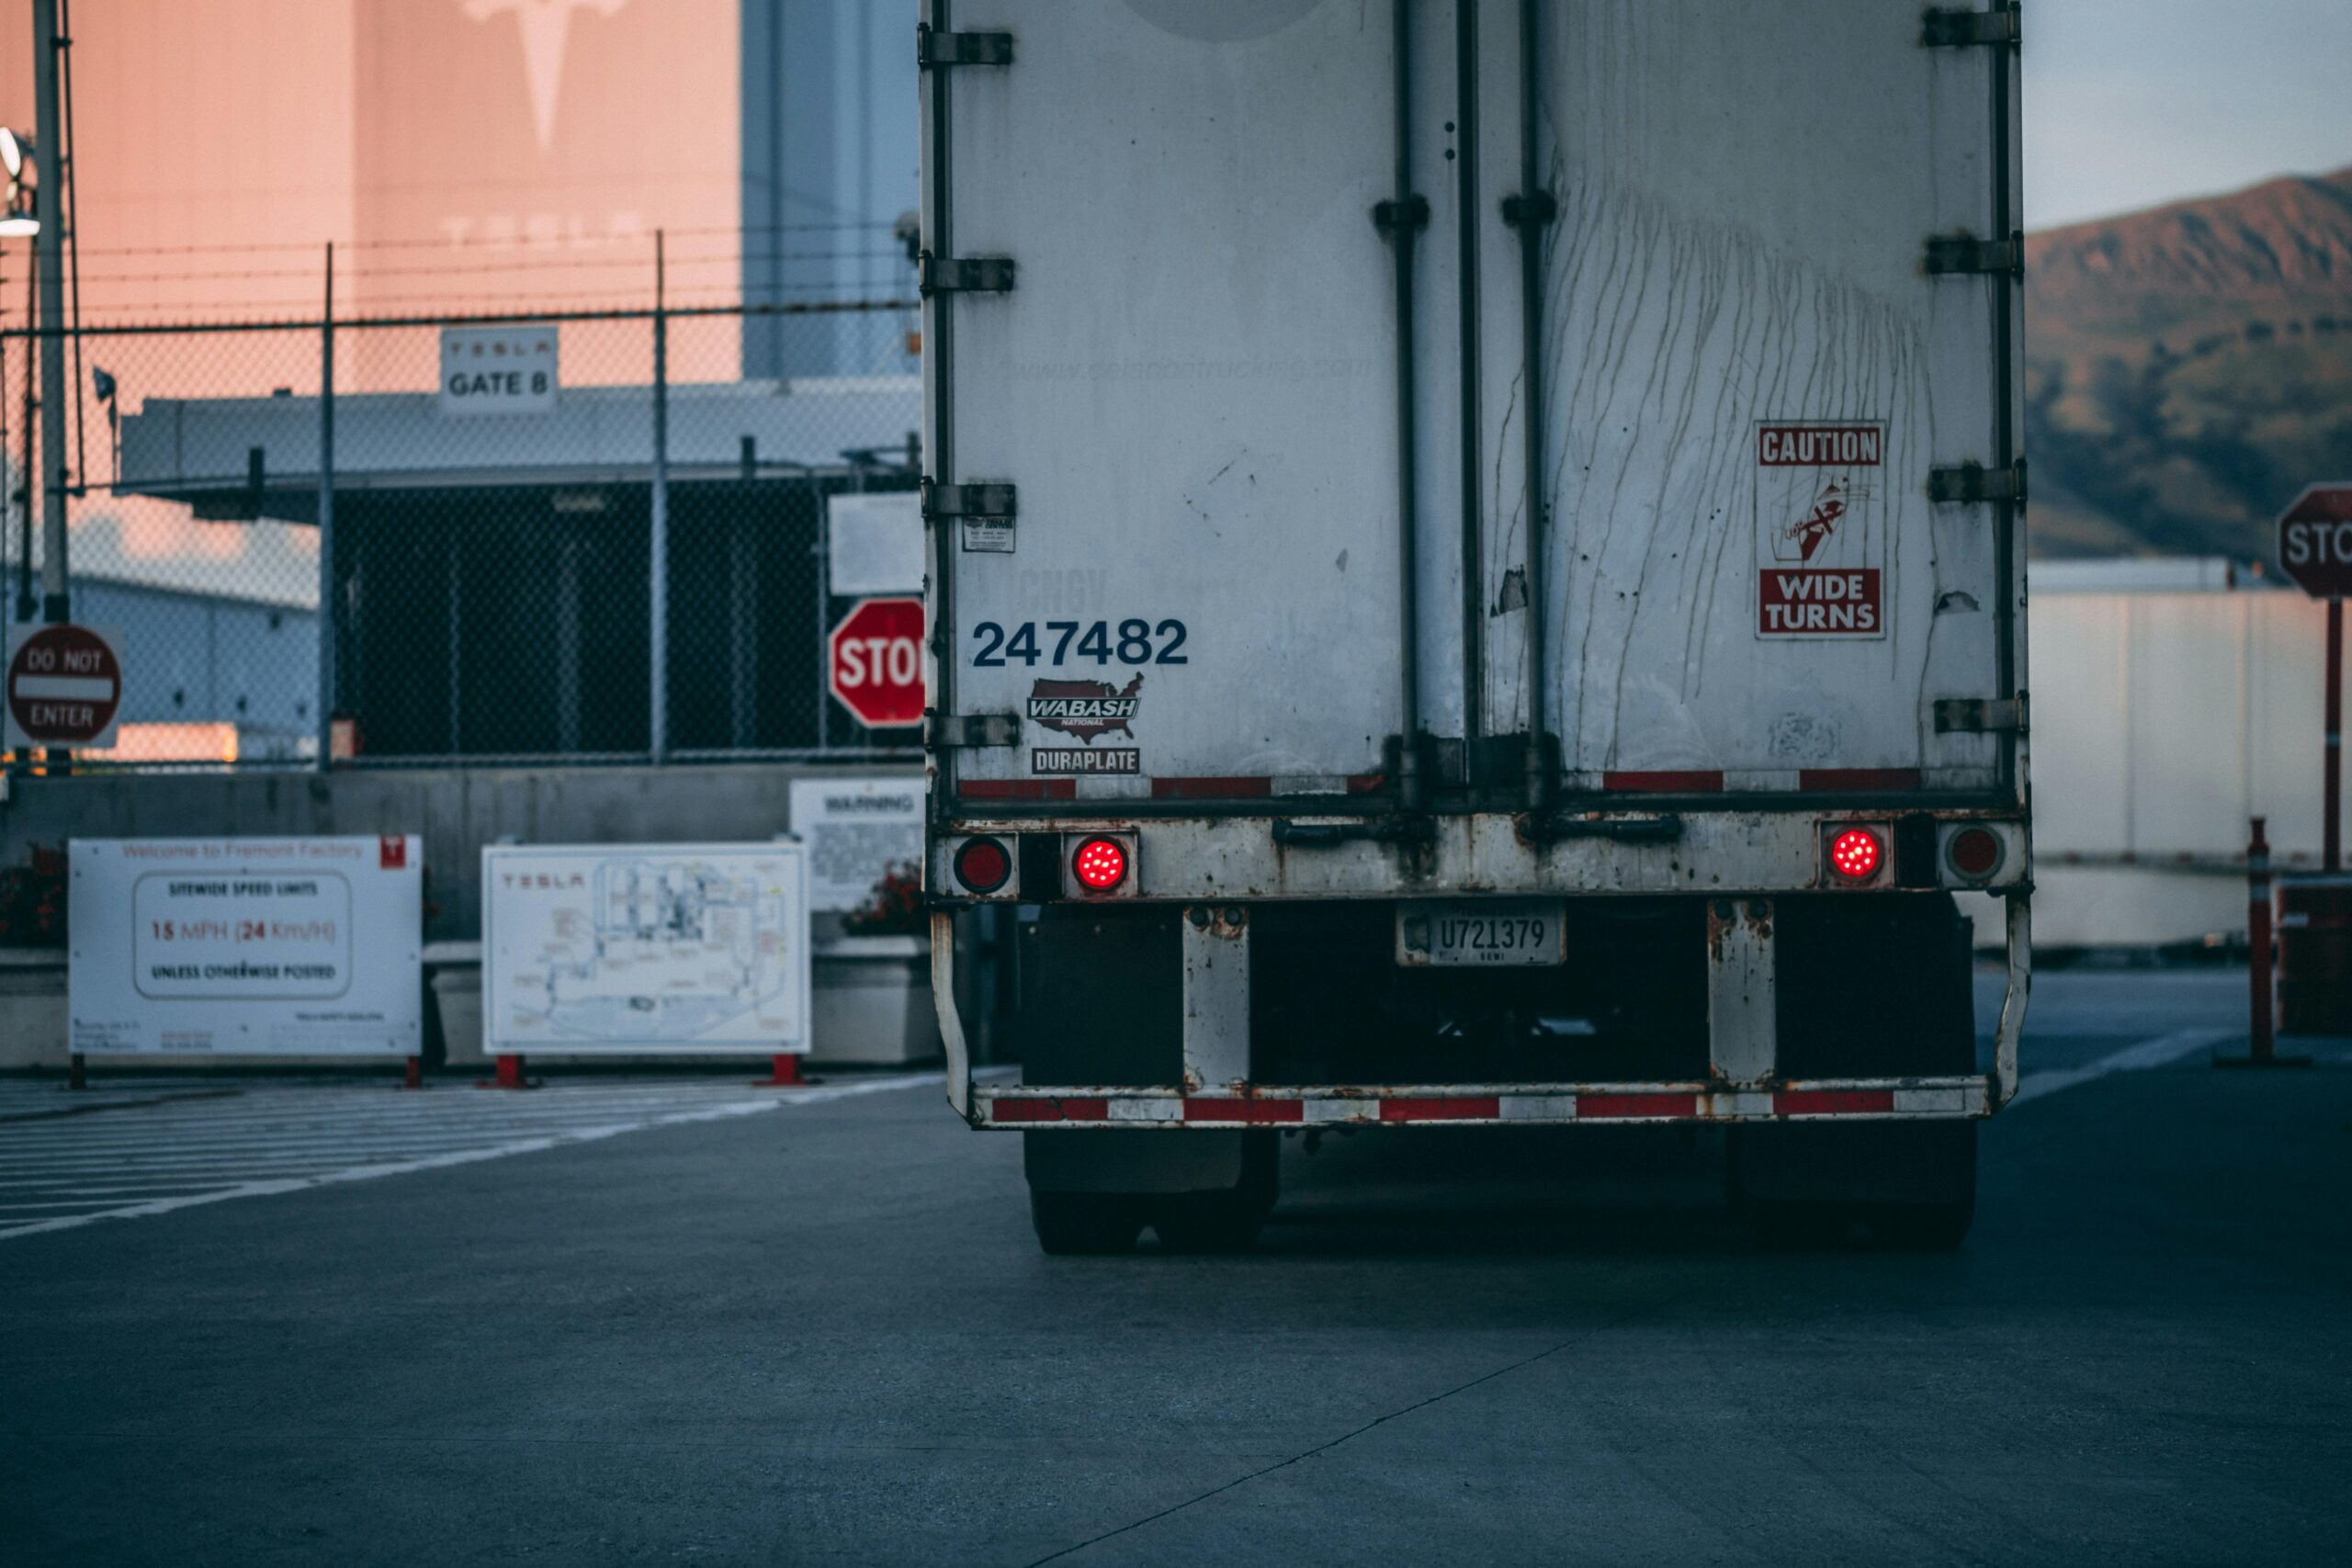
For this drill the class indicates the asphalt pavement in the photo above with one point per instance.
(818, 1330)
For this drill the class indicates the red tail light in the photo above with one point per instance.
(1855, 855)
(983, 866)
(1100, 864)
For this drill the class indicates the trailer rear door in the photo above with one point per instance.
(1752, 371)
(1189, 387)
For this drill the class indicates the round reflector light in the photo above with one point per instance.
(1100, 864)
(1855, 853)
(1974, 852)
(983, 866)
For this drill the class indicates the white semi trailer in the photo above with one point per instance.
(1477, 578)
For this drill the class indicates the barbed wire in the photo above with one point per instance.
(635, 263)
(712, 302)
(643, 236)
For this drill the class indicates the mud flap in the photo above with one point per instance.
(1140, 1161)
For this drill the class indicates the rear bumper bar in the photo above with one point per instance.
(1032, 1108)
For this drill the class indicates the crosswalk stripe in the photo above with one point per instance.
(154, 1156)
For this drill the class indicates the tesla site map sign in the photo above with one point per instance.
(693, 949)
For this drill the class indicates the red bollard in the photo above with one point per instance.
(2260, 966)
(2257, 937)
(510, 1075)
(785, 1074)
(412, 1075)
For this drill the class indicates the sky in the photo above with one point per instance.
(2133, 103)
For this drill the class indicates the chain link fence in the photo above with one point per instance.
(524, 538)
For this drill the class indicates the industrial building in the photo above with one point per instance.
(493, 574)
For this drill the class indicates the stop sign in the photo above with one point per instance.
(65, 683)
(2315, 541)
(875, 667)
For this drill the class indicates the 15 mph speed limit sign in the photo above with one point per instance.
(64, 686)
(2315, 541)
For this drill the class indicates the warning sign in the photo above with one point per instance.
(1820, 530)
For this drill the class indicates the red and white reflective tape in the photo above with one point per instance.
(1033, 1107)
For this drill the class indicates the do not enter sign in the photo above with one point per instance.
(876, 668)
(64, 685)
(2315, 541)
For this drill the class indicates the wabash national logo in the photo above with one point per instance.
(1820, 530)
(1084, 709)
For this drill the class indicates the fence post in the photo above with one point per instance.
(822, 550)
(658, 627)
(326, 524)
(28, 607)
(57, 397)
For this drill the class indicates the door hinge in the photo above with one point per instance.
(1943, 28)
(1964, 254)
(935, 47)
(992, 500)
(1413, 212)
(965, 731)
(1973, 483)
(962, 275)
(1539, 208)
(1980, 715)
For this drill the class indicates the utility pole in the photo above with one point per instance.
(56, 397)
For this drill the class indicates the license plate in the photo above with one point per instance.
(1483, 934)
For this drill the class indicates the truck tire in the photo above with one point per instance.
(1910, 1186)
(1922, 1227)
(1228, 1219)
(1086, 1225)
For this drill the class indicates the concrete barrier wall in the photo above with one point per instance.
(457, 809)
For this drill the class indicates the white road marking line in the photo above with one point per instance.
(310, 1108)
(335, 1123)
(2156, 1053)
(294, 1149)
(593, 1128)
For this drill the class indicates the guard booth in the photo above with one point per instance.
(491, 576)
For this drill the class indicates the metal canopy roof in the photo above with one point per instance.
(246, 457)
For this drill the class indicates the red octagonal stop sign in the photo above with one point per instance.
(2315, 541)
(65, 683)
(876, 668)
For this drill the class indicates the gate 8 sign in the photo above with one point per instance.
(2315, 541)
(875, 667)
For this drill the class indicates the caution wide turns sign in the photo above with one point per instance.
(1821, 530)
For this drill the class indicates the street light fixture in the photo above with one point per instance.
(19, 214)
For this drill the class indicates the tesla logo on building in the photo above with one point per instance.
(547, 28)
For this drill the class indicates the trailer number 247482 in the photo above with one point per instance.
(1137, 642)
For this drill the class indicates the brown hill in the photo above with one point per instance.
(2188, 369)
